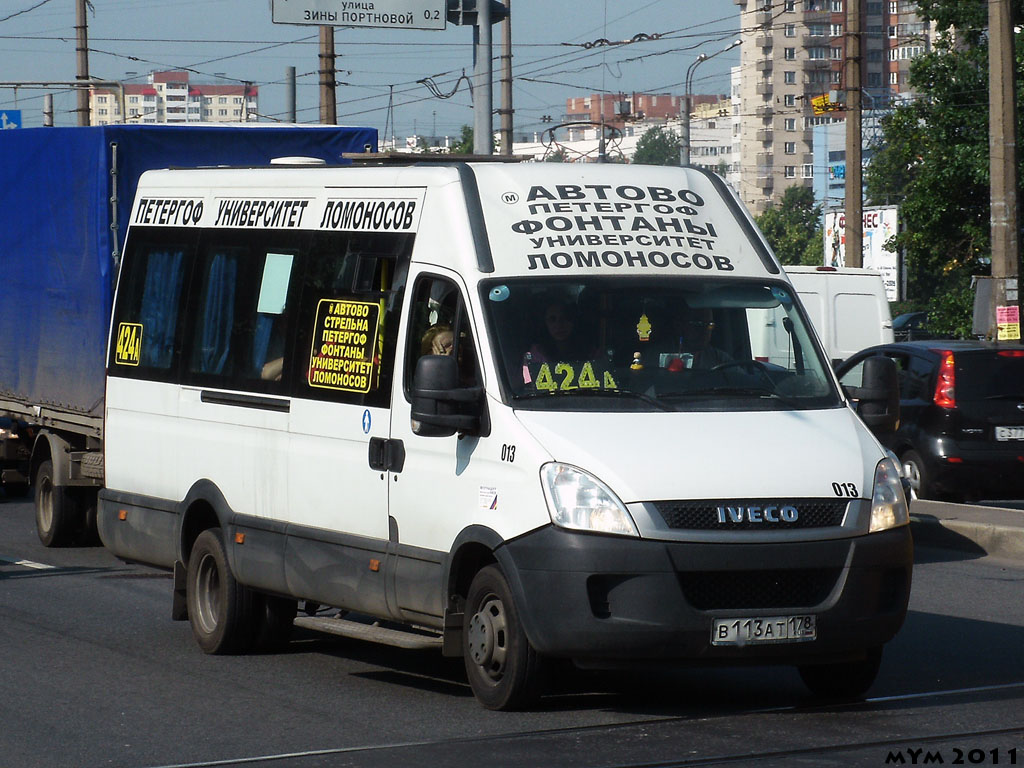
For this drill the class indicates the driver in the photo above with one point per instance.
(694, 328)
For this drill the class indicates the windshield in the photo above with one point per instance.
(614, 344)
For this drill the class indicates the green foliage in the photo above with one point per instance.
(952, 310)
(558, 156)
(935, 164)
(793, 229)
(464, 146)
(657, 146)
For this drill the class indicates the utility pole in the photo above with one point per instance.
(328, 96)
(1005, 304)
(82, 55)
(506, 110)
(289, 78)
(854, 166)
(483, 98)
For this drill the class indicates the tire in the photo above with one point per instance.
(916, 474)
(58, 516)
(848, 680)
(503, 669)
(220, 609)
(274, 621)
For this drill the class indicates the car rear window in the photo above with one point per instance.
(989, 373)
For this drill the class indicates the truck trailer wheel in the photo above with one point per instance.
(847, 680)
(58, 517)
(503, 669)
(220, 609)
(274, 617)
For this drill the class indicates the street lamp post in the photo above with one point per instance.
(684, 144)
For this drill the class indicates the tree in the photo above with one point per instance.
(658, 146)
(793, 229)
(464, 146)
(934, 163)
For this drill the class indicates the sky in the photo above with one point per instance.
(556, 55)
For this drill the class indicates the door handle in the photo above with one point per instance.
(386, 455)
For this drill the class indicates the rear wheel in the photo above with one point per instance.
(274, 620)
(502, 667)
(220, 609)
(846, 680)
(58, 516)
(916, 474)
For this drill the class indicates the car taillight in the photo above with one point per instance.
(1011, 353)
(945, 389)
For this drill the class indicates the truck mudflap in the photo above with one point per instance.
(591, 597)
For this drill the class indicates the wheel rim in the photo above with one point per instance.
(488, 638)
(45, 506)
(208, 593)
(913, 474)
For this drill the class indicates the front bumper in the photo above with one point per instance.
(593, 598)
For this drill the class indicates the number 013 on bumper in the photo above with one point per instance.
(764, 629)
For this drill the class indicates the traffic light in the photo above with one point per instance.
(463, 12)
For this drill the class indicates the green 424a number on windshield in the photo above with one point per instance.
(568, 380)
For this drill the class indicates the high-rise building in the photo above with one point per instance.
(792, 69)
(171, 97)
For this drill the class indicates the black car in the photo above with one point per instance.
(961, 433)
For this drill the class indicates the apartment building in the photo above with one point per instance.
(792, 69)
(172, 97)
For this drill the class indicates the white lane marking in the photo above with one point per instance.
(27, 564)
(951, 692)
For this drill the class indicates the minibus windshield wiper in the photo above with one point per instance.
(604, 392)
(752, 391)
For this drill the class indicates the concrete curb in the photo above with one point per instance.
(996, 531)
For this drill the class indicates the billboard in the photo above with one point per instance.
(879, 225)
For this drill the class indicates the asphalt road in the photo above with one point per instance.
(94, 673)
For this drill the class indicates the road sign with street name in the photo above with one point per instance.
(392, 14)
(10, 118)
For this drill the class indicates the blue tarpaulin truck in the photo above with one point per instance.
(65, 198)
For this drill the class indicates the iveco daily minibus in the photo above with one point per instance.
(508, 410)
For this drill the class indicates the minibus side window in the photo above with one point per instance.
(240, 311)
(439, 325)
(146, 329)
(351, 293)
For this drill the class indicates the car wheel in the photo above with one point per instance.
(916, 474)
(503, 669)
(220, 609)
(846, 680)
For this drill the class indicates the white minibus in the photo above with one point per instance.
(510, 411)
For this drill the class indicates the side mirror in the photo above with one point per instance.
(439, 405)
(879, 395)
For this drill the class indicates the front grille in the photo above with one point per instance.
(756, 590)
(703, 515)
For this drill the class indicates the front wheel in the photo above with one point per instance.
(220, 609)
(503, 669)
(846, 680)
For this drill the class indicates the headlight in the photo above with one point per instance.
(888, 504)
(580, 501)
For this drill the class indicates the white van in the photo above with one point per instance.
(848, 307)
(508, 410)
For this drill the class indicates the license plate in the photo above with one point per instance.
(763, 629)
(1009, 433)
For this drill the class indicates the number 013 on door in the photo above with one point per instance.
(763, 629)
